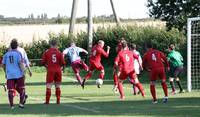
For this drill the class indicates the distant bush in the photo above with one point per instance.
(140, 36)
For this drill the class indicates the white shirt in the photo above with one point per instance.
(24, 56)
(138, 62)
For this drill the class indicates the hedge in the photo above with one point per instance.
(138, 35)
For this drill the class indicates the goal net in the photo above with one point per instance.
(193, 54)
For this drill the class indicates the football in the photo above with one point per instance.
(99, 81)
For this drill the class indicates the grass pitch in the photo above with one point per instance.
(97, 102)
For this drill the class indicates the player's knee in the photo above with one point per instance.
(163, 80)
(90, 71)
(102, 72)
(171, 79)
(152, 83)
(57, 85)
(49, 85)
(177, 79)
(136, 80)
(77, 74)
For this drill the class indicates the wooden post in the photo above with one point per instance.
(115, 14)
(90, 27)
(73, 16)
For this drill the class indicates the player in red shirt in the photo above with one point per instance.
(95, 61)
(115, 78)
(53, 60)
(153, 61)
(124, 62)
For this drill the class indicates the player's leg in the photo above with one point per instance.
(76, 69)
(20, 86)
(122, 77)
(121, 90)
(171, 80)
(11, 88)
(177, 72)
(115, 78)
(153, 77)
(58, 80)
(88, 75)
(135, 89)
(58, 92)
(164, 84)
(102, 73)
(49, 83)
(84, 65)
(153, 91)
(137, 83)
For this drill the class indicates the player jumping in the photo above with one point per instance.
(73, 53)
(95, 61)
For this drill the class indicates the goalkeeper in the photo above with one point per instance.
(176, 68)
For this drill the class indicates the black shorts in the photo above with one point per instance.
(176, 71)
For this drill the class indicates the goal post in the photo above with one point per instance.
(193, 53)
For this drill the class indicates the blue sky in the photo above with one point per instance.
(22, 8)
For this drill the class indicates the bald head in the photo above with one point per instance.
(101, 43)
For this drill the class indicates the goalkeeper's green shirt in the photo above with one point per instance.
(175, 58)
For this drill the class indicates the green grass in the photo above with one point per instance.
(98, 102)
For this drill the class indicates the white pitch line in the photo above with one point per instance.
(81, 108)
(69, 105)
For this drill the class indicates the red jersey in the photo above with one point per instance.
(125, 60)
(97, 52)
(53, 59)
(154, 59)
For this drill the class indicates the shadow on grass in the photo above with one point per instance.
(176, 107)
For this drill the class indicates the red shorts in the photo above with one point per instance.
(96, 65)
(123, 75)
(77, 65)
(54, 76)
(156, 74)
(15, 83)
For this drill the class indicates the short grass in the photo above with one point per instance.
(98, 102)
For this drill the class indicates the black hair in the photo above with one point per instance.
(124, 44)
(14, 44)
(53, 42)
(172, 46)
(149, 45)
(133, 46)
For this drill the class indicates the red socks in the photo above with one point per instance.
(140, 87)
(121, 91)
(10, 97)
(164, 86)
(48, 95)
(58, 92)
(78, 78)
(88, 76)
(101, 76)
(115, 78)
(153, 92)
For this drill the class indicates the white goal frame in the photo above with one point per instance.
(189, 47)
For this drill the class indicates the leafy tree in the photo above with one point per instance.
(174, 12)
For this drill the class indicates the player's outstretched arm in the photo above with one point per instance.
(105, 54)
